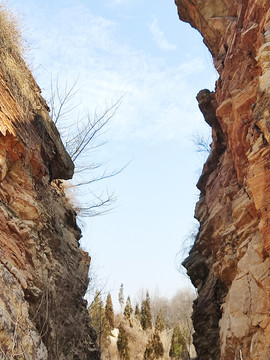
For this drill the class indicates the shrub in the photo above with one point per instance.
(154, 348)
(10, 33)
(122, 344)
(178, 348)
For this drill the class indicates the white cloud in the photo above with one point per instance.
(160, 101)
(116, 2)
(160, 38)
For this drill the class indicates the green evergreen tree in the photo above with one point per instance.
(122, 344)
(160, 323)
(148, 354)
(96, 313)
(121, 297)
(178, 348)
(137, 311)
(146, 316)
(128, 308)
(98, 320)
(157, 345)
(109, 313)
(154, 348)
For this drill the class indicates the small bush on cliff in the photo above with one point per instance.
(202, 143)
(13, 67)
(10, 33)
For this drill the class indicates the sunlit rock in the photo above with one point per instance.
(229, 263)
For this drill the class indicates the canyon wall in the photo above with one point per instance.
(43, 272)
(229, 262)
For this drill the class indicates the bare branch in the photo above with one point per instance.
(104, 176)
(99, 206)
(93, 128)
(81, 138)
(202, 143)
(60, 110)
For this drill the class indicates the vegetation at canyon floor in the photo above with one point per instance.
(157, 328)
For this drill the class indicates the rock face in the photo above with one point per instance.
(43, 272)
(229, 263)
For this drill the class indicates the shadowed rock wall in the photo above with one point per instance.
(43, 272)
(229, 263)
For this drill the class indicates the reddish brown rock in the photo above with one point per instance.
(43, 271)
(229, 263)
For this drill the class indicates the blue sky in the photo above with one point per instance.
(141, 50)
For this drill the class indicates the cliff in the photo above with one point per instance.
(43, 272)
(229, 262)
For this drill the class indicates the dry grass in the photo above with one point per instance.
(13, 68)
(10, 33)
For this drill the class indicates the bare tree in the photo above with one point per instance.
(181, 307)
(177, 311)
(121, 297)
(82, 138)
(202, 143)
(186, 245)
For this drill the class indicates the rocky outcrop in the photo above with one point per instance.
(229, 263)
(43, 272)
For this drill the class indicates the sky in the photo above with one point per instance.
(141, 52)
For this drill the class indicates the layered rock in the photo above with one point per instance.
(43, 271)
(229, 263)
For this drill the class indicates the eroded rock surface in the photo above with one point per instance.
(43, 272)
(229, 263)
